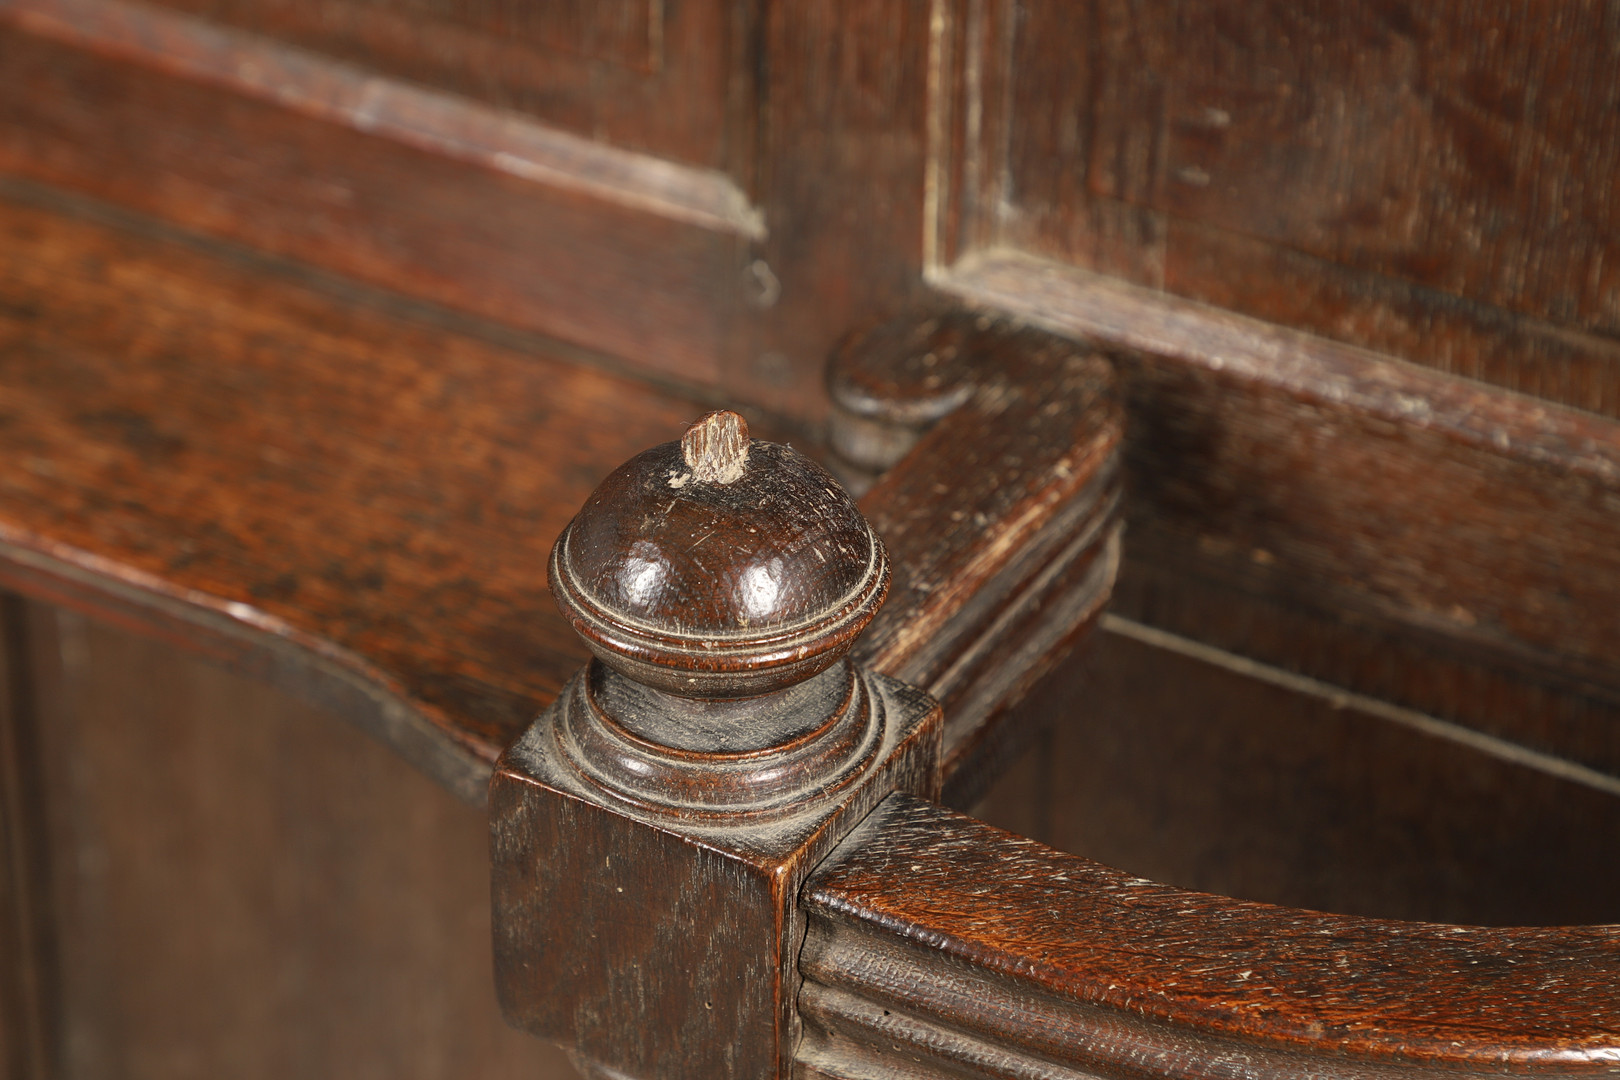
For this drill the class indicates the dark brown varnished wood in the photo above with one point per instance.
(348, 499)
(843, 121)
(718, 191)
(720, 569)
(645, 74)
(941, 946)
(1381, 174)
(695, 217)
(1406, 423)
(650, 831)
(242, 885)
(890, 383)
(1196, 767)
(1295, 467)
(1001, 515)
(378, 179)
(310, 59)
(371, 532)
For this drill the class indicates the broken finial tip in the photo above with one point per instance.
(716, 447)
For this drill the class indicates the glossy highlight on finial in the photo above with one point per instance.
(719, 567)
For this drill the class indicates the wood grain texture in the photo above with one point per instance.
(404, 112)
(843, 145)
(940, 946)
(322, 491)
(393, 474)
(1534, 356)
(433, 203)
(248, 887)
(1204, 770)
(1001, 525)
(1372, 487)
(650, 831)
(1415, 141)
(672, 101)
(660, 941)
(1426, 179)
(1212, 598)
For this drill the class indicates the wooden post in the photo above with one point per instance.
(651, 830)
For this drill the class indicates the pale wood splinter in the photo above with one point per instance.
(716, 447)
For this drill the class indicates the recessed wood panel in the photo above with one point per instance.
(1466, 147)
(640, 74)
(245, 887)
(1429, 179)
(637, 281)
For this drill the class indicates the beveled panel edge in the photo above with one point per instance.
(440, 123)
(1554, 470)
(1081, 303)
(244, 639)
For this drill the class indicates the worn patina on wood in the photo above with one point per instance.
(651, 829)
(940, 946)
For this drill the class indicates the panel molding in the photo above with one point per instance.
(425, 119)
(1299, 463)
(1081, 134)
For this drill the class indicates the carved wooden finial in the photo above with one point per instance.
(718, 568)
(717, 747)
(716, 447)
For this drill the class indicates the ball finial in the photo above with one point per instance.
(719, 566)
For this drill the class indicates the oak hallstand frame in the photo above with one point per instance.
(1186, 432)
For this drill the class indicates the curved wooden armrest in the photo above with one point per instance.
(939, 945)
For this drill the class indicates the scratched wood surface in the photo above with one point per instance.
(354, 497)
(1370, 172)
(374, 488)
(942, 946)
(1428, 179)
(1269, 469)
(649, 833)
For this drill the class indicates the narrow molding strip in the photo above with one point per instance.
(1080, 303)
(439, 123)
(1340, 698)
(1405, 493)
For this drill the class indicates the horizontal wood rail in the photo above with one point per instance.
(328, 89)
(1311, 504)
